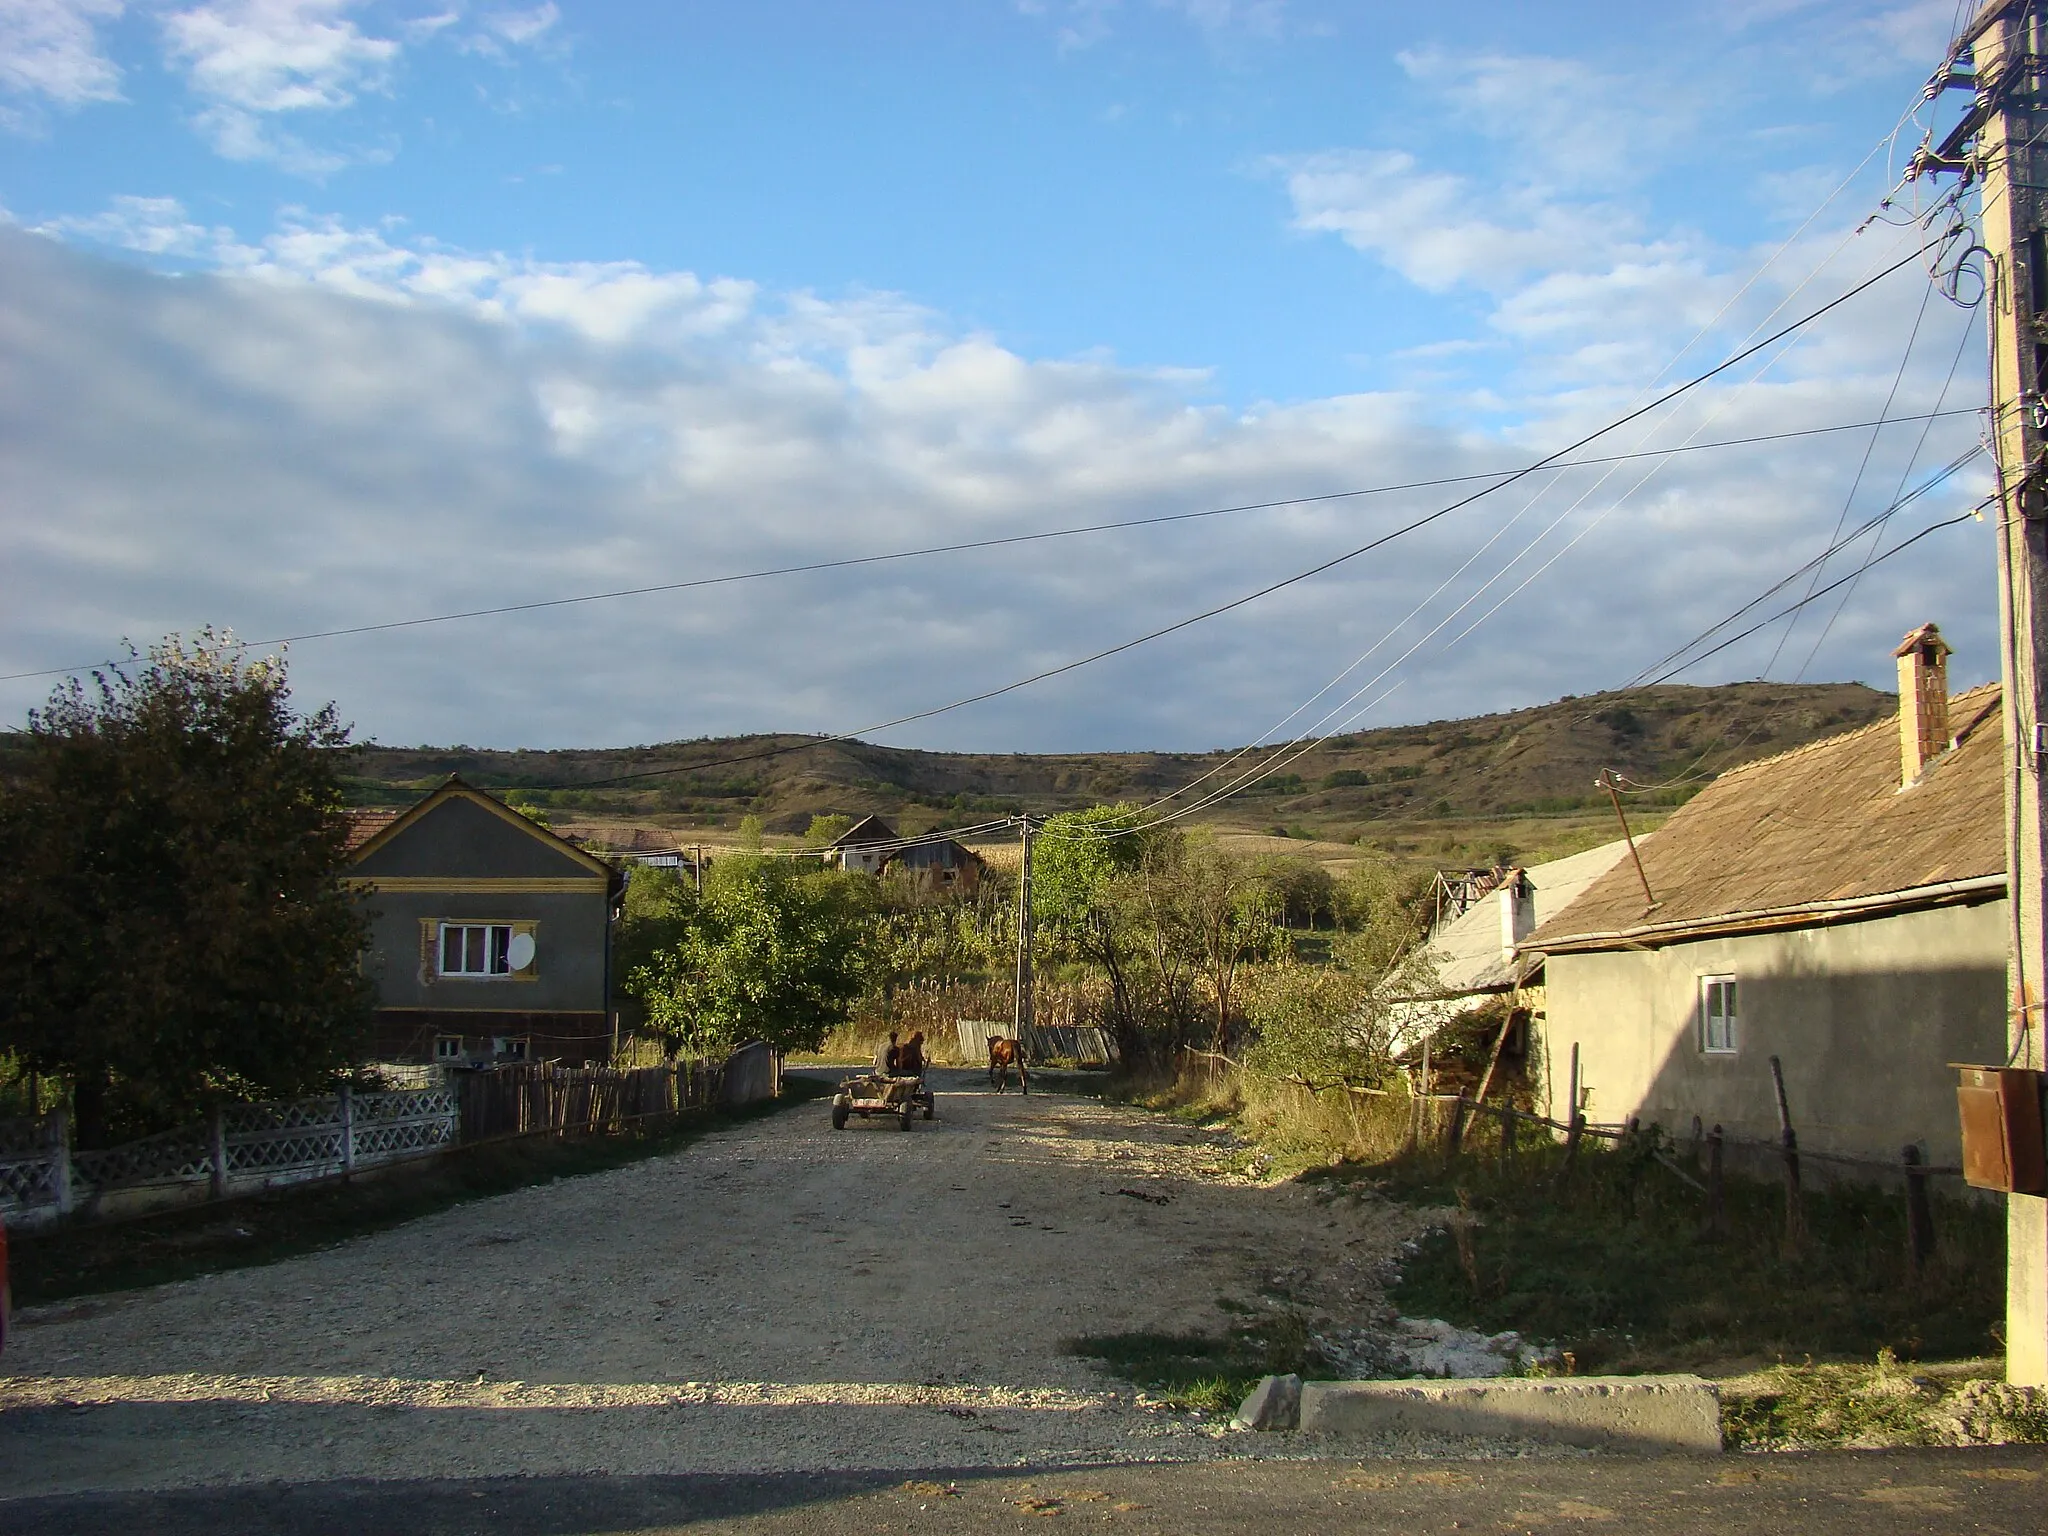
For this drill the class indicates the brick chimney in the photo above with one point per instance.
(1923, 700)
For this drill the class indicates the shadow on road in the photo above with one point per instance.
(1832, 1494)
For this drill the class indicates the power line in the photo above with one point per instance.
(1903, 544)
(1937, 479)
(999, 542)
(1548, 461)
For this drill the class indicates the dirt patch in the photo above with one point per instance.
(777, 1296)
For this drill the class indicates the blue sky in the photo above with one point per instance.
(324, 314)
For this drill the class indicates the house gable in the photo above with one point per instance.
(866, 831)
(460, 834)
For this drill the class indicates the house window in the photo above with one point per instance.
(1717, 1015)
(476, 949)
(447, 1047)
(509, 1047)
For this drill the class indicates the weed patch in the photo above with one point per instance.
(1209, 1371)
(90, 1259)
(1805, 1407)
(1613, 1268)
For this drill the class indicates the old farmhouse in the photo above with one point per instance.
(873, 847)
(490, 936)
(1841, 907)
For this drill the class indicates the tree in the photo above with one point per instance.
(175, 930)
(1079, 863)
(825, 829)
(771, 951)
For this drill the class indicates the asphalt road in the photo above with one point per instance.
(1850, 1493)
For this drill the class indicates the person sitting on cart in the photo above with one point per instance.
(886, 1057)
(910, 1059)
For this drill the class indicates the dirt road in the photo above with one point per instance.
(778, 1296)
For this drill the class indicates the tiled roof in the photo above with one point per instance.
(364, 825)
(1823, 825)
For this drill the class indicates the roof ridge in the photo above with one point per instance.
(1888, 722)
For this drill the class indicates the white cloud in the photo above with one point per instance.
(1562, 122)
(340, 425)
(497, 32)
(49, 49)
(251, 60)
(1432, 226)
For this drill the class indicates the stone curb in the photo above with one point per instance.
(1639, 1413)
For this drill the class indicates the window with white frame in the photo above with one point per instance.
(1717, 1015)
(509, 1047)
(447, 1047)
(476, 949)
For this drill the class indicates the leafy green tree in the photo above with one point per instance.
(771, 951)
(825, 829)
(1081, 864)
(175, 930)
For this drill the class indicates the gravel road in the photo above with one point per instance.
(775, 1297)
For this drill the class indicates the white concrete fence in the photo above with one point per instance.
(239, 1149)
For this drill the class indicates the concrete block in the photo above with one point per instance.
(1644, 1413)
(1275, 1403)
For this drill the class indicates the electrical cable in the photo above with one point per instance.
(1547, 461)
(1284, 755)
(967, 546)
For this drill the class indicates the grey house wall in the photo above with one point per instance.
(463, 862)
(569, 947)
(1865, 1018)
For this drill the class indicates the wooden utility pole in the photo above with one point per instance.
(1023, 1010)
(1995, 142)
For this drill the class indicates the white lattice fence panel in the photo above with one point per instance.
(27, 1182)
(398, 1124)
(174, 1157)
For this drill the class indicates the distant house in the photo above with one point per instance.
(1474, 960)
(490, 936)
(1841, 907)
(872, 847)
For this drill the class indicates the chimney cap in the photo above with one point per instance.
(1924, 635)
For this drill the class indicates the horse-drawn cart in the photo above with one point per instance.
(871, 1094)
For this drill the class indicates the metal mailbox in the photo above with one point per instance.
(2004, 1146)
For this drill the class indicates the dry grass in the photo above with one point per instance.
(1294, 1129)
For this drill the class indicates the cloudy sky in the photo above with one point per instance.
(317, 315)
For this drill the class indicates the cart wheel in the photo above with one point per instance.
(838, 1117)
(909, 1114)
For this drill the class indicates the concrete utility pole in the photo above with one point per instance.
(1022, 1021)
(1995, 142)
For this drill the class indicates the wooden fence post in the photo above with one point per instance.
(1788, 1141)
(1455, 1141)
(1919, 1215)
(217, 1153)
(1632, 1145)
(1692, 1147)
(348, 1130)
(1715, 1227)
(60, 1158)
(1508, 1126)
(1572, 1136)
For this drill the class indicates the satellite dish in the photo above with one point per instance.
(521, 951)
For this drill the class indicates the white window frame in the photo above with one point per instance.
(511, 1048)
(448, 1047)
(497, 947)
(1727, 1040)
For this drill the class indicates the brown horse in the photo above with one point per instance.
(1004, 1054)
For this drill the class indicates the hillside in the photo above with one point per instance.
(1447, 791)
